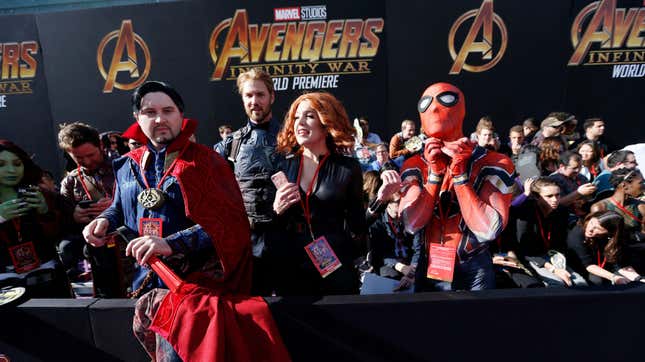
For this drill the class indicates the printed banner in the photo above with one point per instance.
(97, 57)
(512, 60)
(25, 116)
(605, 63)
(333, 46)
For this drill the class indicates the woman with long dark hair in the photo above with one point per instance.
(321, 206)
(29, 228)
(598, 248)
(590, 155)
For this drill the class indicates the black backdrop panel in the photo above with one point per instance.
(528, 80)
(24, 106)
(177, 54)
(531, 78)
(593, 89)
(363, 93)
(517, 324)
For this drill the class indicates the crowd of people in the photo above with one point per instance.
(316, 204)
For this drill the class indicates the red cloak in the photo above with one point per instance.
(214, 319)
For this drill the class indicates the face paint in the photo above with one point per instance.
(442, 109)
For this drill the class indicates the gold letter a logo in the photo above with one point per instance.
(484, 20)
(126, 40)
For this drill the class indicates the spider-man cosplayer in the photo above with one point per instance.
(458, 191)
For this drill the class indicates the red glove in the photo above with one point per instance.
(461, 150)
(438, 161)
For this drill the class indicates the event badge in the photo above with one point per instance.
(441, 262)
(151, 226)
(24, 257)
(323, 256)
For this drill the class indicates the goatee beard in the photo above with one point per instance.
(163, 140)
(260, 119)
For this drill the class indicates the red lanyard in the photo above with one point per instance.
(443, 217)
(17, 226)
(621, 207)
(547, 238)
(604, 260)
(593, 170)
(394, 230)
(305, 203)
(396, 233)
(82, 179)
(143, 171)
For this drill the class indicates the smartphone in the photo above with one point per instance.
(84, 204)
(279, 179)
(25, 191)
(22, 192)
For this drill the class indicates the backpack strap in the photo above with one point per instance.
(238, 137)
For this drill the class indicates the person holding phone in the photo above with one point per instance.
(30, 227)
(321, 207)
(89, 189)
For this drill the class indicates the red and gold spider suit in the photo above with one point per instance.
(460, 192)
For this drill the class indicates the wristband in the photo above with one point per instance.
(376, 207)
(460, 179)
(434, 178)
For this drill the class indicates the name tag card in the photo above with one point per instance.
(149, 226)
(24, 257)
(323, 256)
(441, 262)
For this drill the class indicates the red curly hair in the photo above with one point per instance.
(332, 114)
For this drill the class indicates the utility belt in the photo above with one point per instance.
(260, 225)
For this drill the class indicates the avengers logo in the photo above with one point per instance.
(291, 49)
(615, 32)
(18, 67)
(127, 42)
(484, 21)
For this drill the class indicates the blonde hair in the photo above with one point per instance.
(255, 74)
(485, 123)
(407, 121)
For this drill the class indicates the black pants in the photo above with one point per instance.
(262, 283)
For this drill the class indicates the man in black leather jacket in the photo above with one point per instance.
(251, 151)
